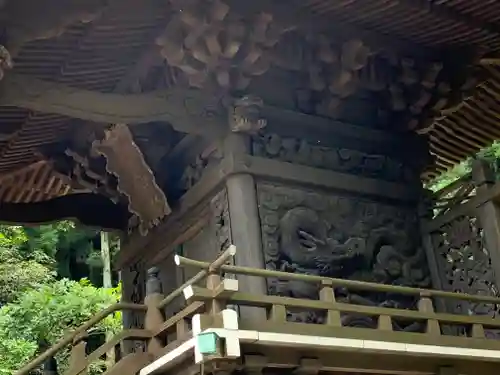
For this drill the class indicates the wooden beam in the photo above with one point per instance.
(71, 207)
(187, 110)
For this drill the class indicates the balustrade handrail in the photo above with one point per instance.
(353, 284)
(229, 252)
(120, 306)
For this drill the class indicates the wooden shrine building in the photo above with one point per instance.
(299, 133)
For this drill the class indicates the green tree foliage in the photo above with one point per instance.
(46, 314)
(39, 301)
(490, 154)
(19, 272)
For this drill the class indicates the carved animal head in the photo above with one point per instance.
(246, 115)
(302, 235)
(5, 61)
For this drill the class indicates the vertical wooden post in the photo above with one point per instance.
(154, 316)
(327, 294)
(107, 283)
(78, 356)
(426, 207)
(213, 281)
(245, 222)
(425, 305)
(488, 214)
(50, 367)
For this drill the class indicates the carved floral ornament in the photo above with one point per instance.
(464, 264)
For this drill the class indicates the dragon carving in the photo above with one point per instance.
(306, 247)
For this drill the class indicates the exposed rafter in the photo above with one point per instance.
(449, 13)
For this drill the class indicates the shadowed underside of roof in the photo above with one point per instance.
(103, 55)
(436, 24)
(94, 56)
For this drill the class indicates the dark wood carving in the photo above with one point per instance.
(134, 290)
(464, 265)
(335, 236)
(5, 61)
(207, 40)
(135, 179)
(245, 115)
(221, 224)
(194, 170)
(301, 151)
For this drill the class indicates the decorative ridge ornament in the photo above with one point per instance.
(135, 179)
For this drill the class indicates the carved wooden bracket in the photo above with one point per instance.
(206, 39)
(135, 179)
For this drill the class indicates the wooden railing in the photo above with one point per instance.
(162, 335)
(156, 333)
(383, 317)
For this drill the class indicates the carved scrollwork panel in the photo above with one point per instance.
(221, 224)
(464, 264)
(134, 291)
(301, 151)
(312, 232)
(194, 170)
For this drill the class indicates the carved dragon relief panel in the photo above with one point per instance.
(464, 264)
(303, 152)
(330, 235)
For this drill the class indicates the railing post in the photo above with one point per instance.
(213, 281)
(154, 316)
(425, 305)
(50, 367)
(327, 294)
(78, 356)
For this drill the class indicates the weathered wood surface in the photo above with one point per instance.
(187, 110)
